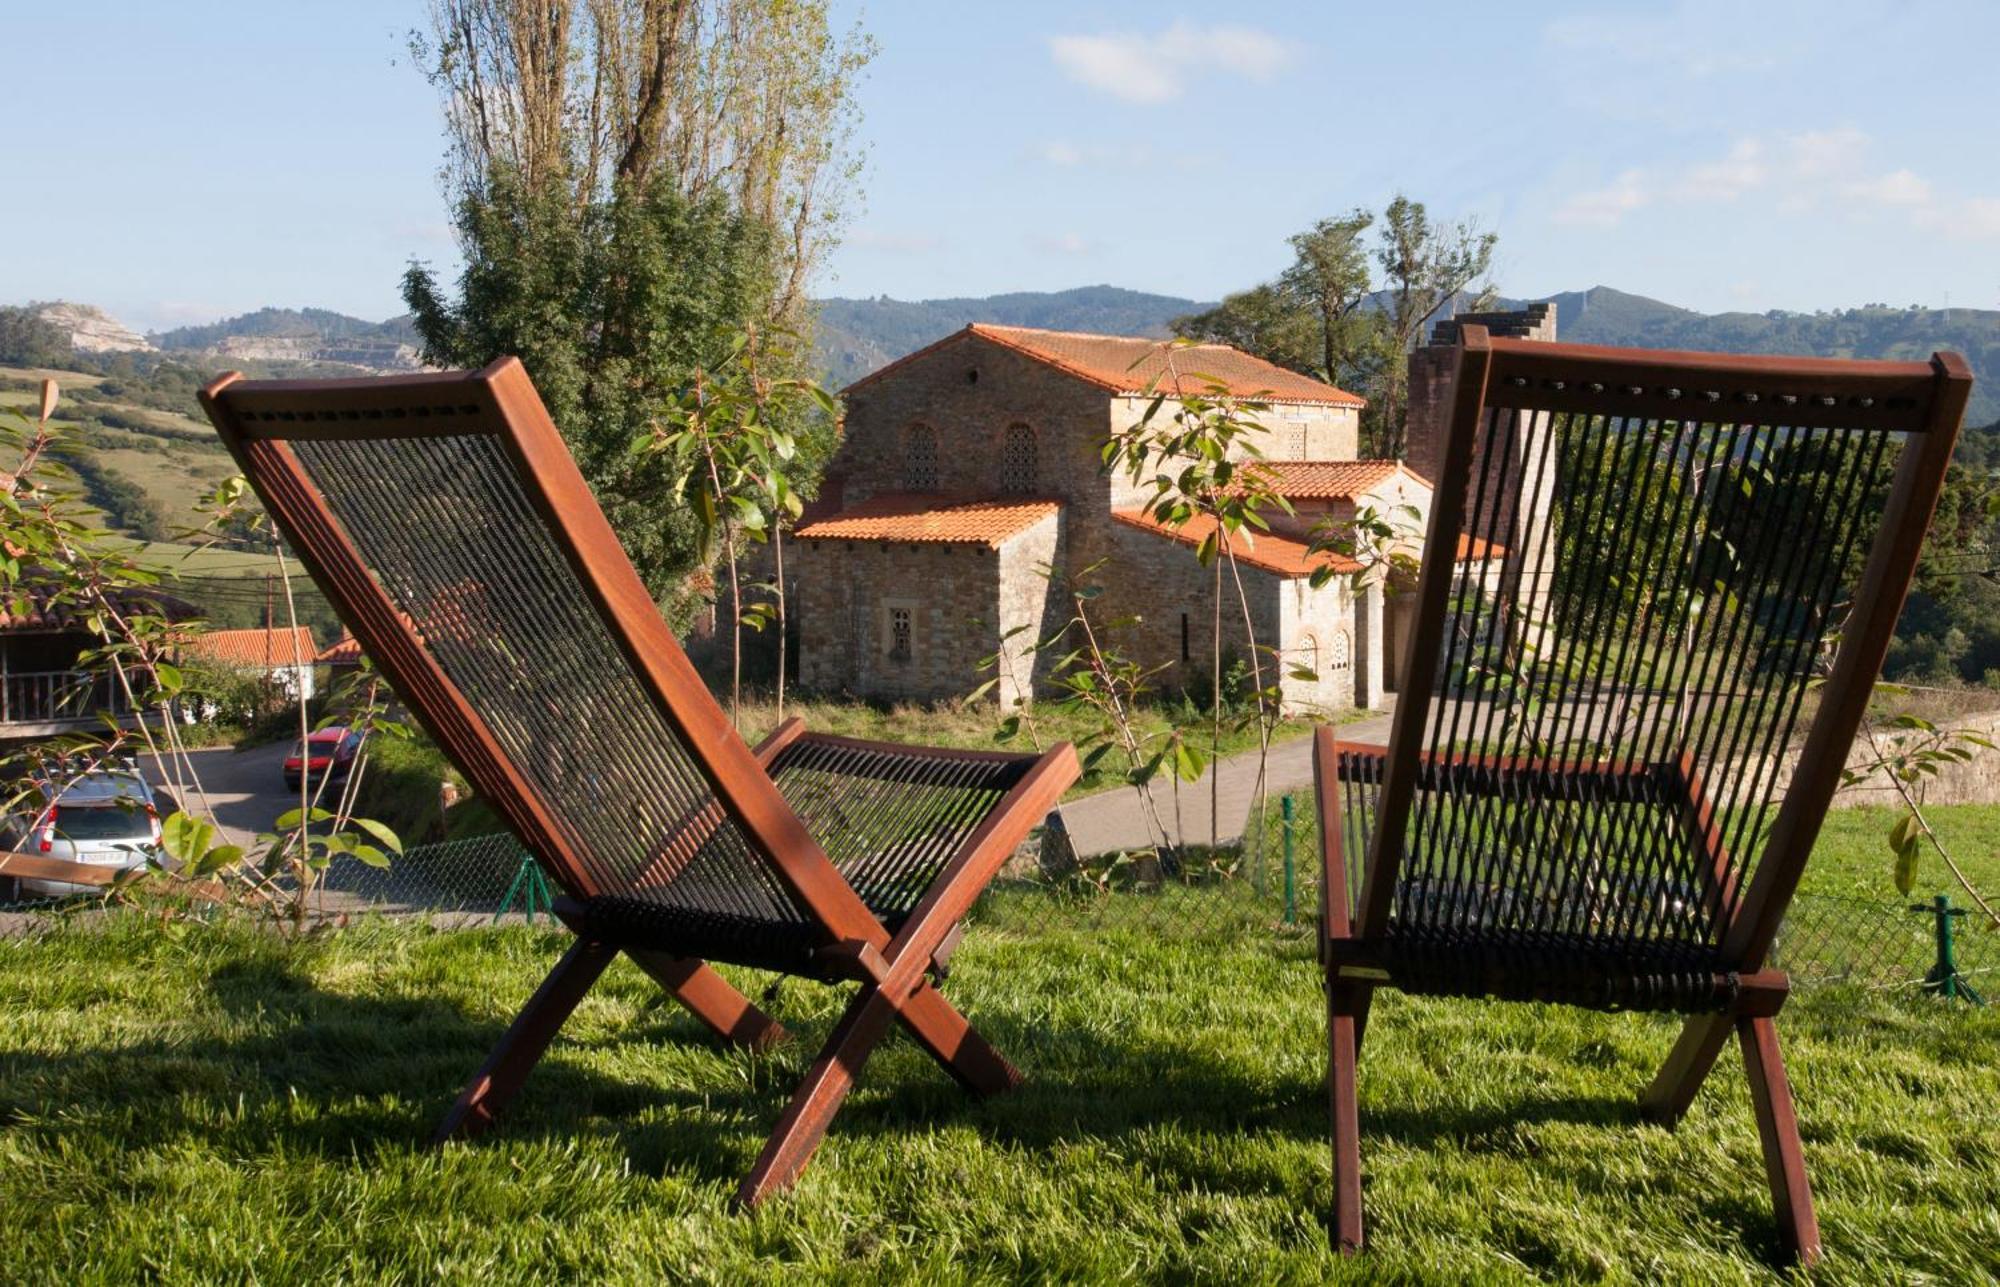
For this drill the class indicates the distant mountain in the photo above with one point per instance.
(316, 335)
(855, 336)
(287, 323)
(90, 329)
(1602, 315)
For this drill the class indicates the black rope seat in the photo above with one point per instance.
(1508, 912)
(889, 818)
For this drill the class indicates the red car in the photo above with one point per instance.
(332, 752)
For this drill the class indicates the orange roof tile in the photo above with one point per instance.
(1472, 549)
(344, 651)
(929, 517)
(256, 648)
(1330, 479)
(1266, 550)
(1129, 364)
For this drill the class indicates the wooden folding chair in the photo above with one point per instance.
(443, 517)
(1638, 565)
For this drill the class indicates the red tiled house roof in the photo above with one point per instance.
(1266, 550)
(1330, 479)
(1125, 364)
(925, 517)
(344, 651)
(256, 648)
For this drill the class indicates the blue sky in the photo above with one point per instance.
(179, 163)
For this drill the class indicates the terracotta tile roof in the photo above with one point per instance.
(1331, 479)
(1473, 549)
(257, 648)
(1282, 554)
(1266, 550)
(344, 651)
(41, 610)
(1128, 364)
(929, 517)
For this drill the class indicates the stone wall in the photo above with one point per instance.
(969, 392)
(1032, 602)
(847, 593)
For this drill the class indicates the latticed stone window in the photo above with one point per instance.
(1296, 442)
(920, 459)
(1342, 652)
(1020, 467)
(899, 634)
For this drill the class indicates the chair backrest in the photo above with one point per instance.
(446, 521)
(1645, 574)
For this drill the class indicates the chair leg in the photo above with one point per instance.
(525, 1041)
(939, 1028)
(1343, 1040)
(819, 1096)
(1778, 1129)
(712, 1000)
(1673, 1090)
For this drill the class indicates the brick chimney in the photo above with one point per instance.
(1429, 398)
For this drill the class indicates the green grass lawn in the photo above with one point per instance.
(195, 1104)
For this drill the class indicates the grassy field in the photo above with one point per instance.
(195, 1104)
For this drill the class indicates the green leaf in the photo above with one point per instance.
(216, 859)
(380, 831)
(1906, 869)
(370, 854)
(186, 837)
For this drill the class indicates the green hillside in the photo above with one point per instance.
(290, 323)
(855, 336)
(1602, 315)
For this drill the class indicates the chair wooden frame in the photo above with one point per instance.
(258, 420)
(1924, 401)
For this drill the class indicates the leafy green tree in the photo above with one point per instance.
(613, 310)
(634, 182)
(27, 340)
(1425, 265)
(1325, 316)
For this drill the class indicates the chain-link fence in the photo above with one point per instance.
(1267, 885)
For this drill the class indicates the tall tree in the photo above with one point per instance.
(1329, 276)
(1424, 267)
(635, 182)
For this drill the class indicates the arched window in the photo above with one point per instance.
(1020, 466)
(920, 459)
(1342, 651)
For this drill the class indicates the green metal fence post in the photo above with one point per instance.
(1944, 978)
(1291, 885)
(531, 886)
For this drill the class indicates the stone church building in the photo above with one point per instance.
(971, 469)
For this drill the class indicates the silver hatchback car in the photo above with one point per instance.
(106, 817)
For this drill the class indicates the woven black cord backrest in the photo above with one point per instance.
(451, 536)
(1648, 579)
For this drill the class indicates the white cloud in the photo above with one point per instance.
(1807, 173)
(1157, 68)
(1729, 178)
(1896, 188)
(1606, 207)
(1065, 243)
(1064, 154)
(1972, 219)
(1676, 42)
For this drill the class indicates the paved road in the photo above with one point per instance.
(242, 791)
(1116, 820)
